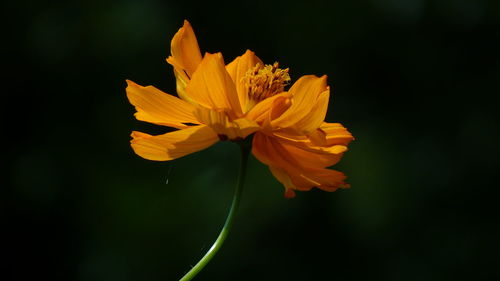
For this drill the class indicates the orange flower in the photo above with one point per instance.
(233, 101)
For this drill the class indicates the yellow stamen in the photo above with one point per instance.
(264, 81)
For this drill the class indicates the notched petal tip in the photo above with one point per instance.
(217, 55)
(135, 135)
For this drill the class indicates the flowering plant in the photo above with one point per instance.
(235, 102)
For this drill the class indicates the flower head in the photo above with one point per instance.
(230, 102)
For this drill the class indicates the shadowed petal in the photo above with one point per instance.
(336, 134)
(315, 157)
(330, 138)
(298, 170)
(283, 177)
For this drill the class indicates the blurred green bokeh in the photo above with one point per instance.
(415, 81)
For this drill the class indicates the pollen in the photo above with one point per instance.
(264, 81)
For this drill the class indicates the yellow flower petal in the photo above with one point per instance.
(237, 70)
(185, 58)
(186, 53)
(212, 87)
(316, 116)
(309, 103)
(155, 106)
(173, 145)
(221, 124)
(269, 108)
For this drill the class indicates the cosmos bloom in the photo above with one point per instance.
(230, 102)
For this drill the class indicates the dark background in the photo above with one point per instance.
(415, 81)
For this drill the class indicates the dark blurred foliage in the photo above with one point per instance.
(415, 81)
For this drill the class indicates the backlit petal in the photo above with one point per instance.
(173, 145)
(237, 70)
(185, 58)
(309, 96)
(155, 106)
(212, 87)
(316, 115)
(264, 110)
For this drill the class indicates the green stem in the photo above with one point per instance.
(245, 149)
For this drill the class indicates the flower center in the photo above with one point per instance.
(264, 81)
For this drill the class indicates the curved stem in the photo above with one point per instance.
(245, 149)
